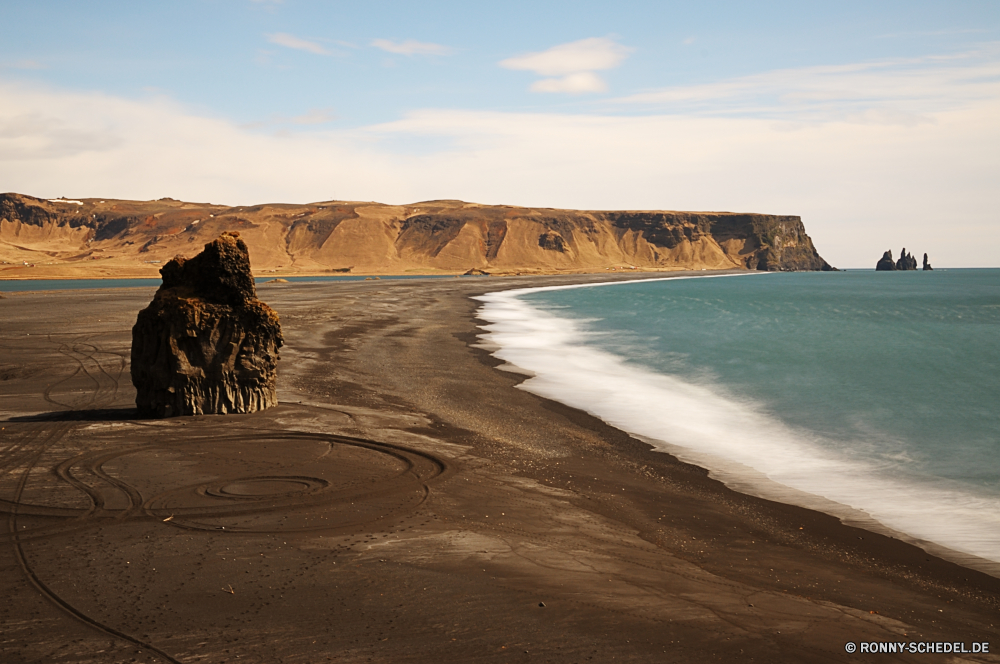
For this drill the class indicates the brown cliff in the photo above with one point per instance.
(206, 344)
(128, 238)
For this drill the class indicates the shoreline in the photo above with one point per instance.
(434, 274)
(524, 331)
(633, 552)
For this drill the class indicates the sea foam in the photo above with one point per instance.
(742, 444)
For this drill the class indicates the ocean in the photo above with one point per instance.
(871, 396)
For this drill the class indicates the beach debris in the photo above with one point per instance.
(206, 344)
(228, 590)
(169, 518)
(541, 604)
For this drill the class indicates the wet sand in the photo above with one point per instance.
(404, 503)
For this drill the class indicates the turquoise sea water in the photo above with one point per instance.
(879, 392)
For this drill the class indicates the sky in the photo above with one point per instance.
(877, 122)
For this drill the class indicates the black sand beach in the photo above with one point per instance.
(405, 503)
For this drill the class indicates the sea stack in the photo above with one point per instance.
(206, 344)
(885, 264)
(927, 263)
(906, 261)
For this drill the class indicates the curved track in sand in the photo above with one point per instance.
(383, 480)
(64, 473)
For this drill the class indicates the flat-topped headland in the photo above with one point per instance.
(405, 502)
(105, 238)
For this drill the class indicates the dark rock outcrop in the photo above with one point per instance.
(552, 242)
(906, 261)
(27, 210)
(885, 264)
(40, 213)
(206, 344)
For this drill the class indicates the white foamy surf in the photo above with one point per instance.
(737, 439)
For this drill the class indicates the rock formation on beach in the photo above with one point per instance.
(206, 344)
(111, 238)
(927, 264)
(885, 264)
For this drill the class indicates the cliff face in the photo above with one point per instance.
(452, 236)
(757, 241)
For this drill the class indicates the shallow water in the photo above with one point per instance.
(877, 391)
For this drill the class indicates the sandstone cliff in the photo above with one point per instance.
(119, 237)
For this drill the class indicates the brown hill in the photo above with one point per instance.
(108, 238)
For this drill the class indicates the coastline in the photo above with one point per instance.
(694, 423)
(633, 552)
(153, 272)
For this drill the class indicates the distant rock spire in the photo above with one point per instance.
(906, 261)
(885, 264)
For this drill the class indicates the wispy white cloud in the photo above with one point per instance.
(583, 81)
(898, 90)
(291, 41)
(596, 53)
(571, 66)
(411, 47)
(32, 133)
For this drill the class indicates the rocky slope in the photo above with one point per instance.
(127, 238)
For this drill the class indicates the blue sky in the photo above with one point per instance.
(873, 119)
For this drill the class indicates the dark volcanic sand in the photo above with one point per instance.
(404, 503)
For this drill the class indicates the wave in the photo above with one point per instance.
(737, 439)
